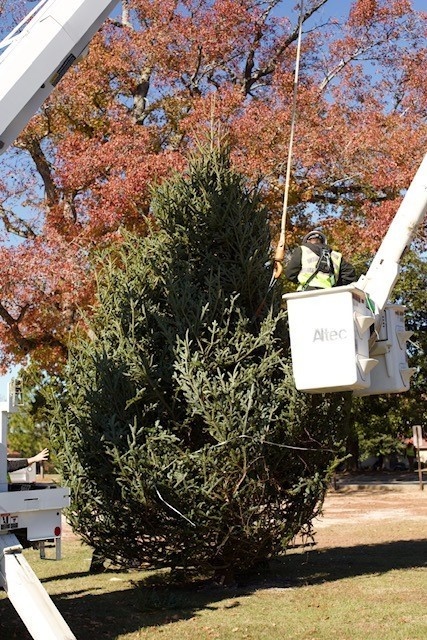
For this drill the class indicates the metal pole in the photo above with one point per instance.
(417, 437)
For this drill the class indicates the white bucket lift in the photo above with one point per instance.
(33, 59)
(330, 332)
(392, 374)
(26, 593)
(333, 343)
(38, 52)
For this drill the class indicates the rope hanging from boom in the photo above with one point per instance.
(280, 249)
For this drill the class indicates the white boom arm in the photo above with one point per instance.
(39, 52)
(27, 594)
(384, 270)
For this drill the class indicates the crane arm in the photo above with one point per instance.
(37, 54)
(382, 274)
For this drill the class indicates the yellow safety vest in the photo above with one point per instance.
(321, 280)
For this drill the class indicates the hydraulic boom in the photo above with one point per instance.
(384, 270)
(38, 53)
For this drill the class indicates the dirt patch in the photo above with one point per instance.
(359, 506)
(387, 515)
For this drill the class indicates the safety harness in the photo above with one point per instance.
(324, 264)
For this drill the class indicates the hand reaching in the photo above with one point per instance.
(39, 457)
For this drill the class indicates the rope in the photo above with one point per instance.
(173, 508)
(280, 250)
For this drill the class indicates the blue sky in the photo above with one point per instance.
(338, 7)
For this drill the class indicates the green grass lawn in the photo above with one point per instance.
(359, 592)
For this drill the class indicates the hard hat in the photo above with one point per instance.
(315, 234)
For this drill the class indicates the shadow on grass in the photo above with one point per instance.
(153, 601)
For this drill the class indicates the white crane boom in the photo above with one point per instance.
(37, 54)
(382, 274)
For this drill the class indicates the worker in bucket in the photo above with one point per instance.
(314, 265)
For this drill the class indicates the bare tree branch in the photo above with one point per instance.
(126, 22)
(24, 343)
(16, 225)
(271, 65)
(44, 168)
(344, 62)
(140, 102)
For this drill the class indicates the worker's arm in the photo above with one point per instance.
(15, 465)
(21, 463)
(347, 273)
(294, 265)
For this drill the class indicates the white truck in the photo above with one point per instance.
(33, 59)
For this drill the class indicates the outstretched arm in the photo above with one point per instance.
(22, 463)
(39, 457)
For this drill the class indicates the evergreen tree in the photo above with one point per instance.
(178, 426)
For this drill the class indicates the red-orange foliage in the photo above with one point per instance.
(124, 118)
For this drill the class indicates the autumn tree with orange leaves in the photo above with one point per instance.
(157, 73)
